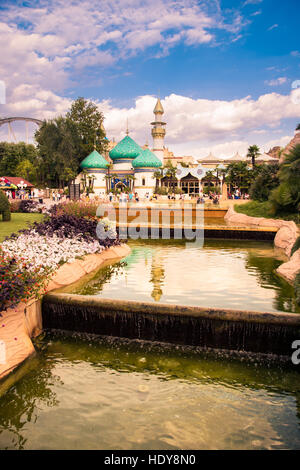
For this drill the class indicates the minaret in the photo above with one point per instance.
(158, 131)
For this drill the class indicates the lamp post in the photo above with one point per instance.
(22, 186)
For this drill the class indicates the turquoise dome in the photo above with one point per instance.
(94, 160)
(146, 159)
(126, 148)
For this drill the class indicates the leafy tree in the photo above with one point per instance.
(11, 155)
(88, 120)
(253, 153)
(265, 181)
(298, 127)
(27, 170)
(58, 143)
(239, 175)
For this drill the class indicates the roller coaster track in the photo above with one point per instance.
(9, 121)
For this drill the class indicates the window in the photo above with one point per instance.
(143, 182)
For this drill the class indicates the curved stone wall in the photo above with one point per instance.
(18, 325)
(285, 238)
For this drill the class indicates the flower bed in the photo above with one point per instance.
(29, 258)
(26, 206)
(76, 208)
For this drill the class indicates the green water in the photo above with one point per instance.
(83, 394)
(225, 274)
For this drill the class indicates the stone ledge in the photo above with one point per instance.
(287, 234)
(18, 325)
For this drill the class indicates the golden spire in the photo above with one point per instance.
(158, 108)
(127, 131)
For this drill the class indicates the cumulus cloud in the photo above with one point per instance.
(48, 43)
(196, 125)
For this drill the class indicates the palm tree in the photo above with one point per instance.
(290, 173)
(131, 179)
(253, 153)
(158, 175)
(84, 174)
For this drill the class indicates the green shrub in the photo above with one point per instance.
(175, 190)
(4, 207)
(163, 191)
(286, 198)
(296, 246)
(297, 287)
(265, 181)
(211, 189)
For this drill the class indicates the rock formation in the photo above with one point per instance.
(295, 141)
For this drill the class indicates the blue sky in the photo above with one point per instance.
(223, 68)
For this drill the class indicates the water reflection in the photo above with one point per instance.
(89, 394)
(22, 403)
(224, 273)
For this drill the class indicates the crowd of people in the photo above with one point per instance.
(58, 195)
(237, 194)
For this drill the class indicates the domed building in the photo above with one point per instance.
(144, 167)
(93, 174)
(131, 167)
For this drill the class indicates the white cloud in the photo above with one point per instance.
(274, 26)
(252, 2)
(196, 126)
(295, 54)
(276, 82)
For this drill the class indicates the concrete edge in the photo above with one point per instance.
(125, 306)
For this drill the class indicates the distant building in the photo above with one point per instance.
(211, 161)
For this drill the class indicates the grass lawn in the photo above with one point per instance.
(264, 209)
(18, 222)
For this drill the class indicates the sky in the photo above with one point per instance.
(227, 71)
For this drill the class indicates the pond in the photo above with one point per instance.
(223, 273)
(87, 394)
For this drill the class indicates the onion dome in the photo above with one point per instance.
(126, 148)
(94, 160)
(146, 159)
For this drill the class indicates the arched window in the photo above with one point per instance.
(143, 182)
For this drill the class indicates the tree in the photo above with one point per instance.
(27, 170)
(171, 173)
(287, 196)
(88, 121)
(11, 155)
(298, 127)
(58, 144)
(239, 175)
(158, 175)
(265, 181)
(253, 153)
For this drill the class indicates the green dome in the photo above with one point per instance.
(126, 148)
(94, 160)
(147, 159)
